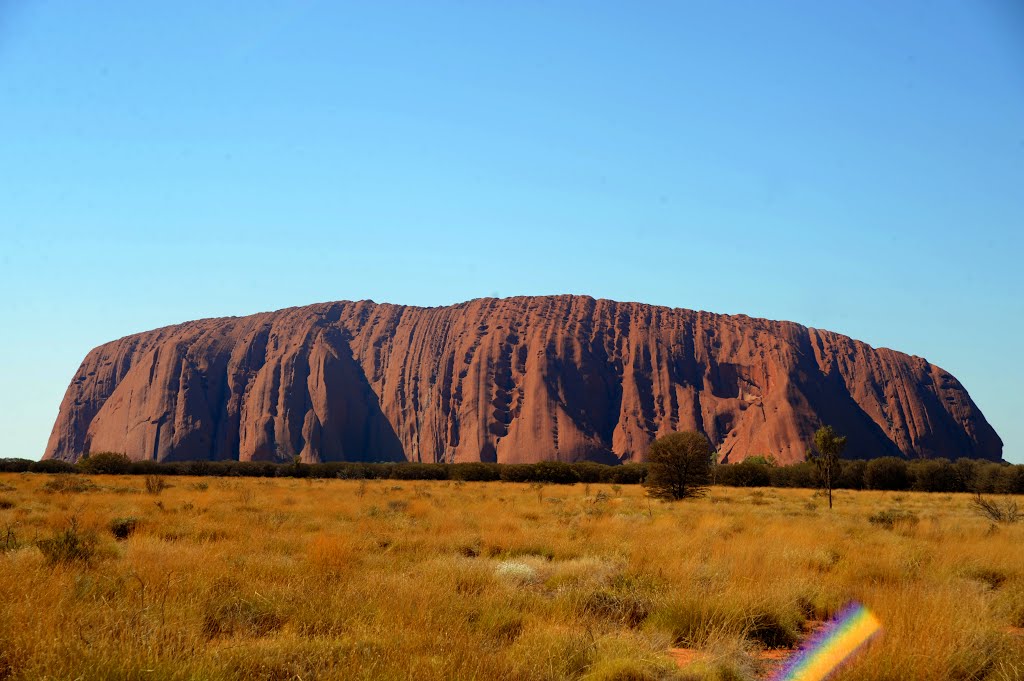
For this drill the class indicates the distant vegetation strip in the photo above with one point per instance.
(887, 473)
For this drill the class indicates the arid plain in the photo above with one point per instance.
(126, 578)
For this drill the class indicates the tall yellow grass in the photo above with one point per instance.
(295, 579)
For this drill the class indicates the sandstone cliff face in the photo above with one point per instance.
(511, 380)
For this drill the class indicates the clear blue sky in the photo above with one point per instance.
(856, 166)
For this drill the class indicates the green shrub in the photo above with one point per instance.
(626, 474)
(420, 471)
(474, 471)
(122, 528)
(851, 475)
(967, 473)
(105, 463)
(518, 472)
(556, 472)
(886, 473)
(51, 466)
(744, 474)
(588, 471)
(16, 465)
(679, 466)
(1012, 481)
(198, 468)
(934, 475)
(149, 467)
(803, 474)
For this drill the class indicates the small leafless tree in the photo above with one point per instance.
(1006, 512)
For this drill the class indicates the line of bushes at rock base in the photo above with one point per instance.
(888, 473)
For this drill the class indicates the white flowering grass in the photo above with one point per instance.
(517, 571)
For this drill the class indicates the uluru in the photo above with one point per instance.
(511, 380)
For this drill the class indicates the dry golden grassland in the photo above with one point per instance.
(306, 579)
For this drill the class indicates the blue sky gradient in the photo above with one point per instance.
(847, 165)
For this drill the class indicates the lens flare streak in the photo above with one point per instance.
(832, 646)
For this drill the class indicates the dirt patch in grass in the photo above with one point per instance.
(768, 660)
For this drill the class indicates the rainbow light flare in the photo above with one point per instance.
(823, 653)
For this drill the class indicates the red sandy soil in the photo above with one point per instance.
(770, 659)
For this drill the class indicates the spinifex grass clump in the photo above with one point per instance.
(694, 622)
(231, 609)
(626, 600)
(69, 545)
(893, 517)
(122, 528)
(155, 484)
(68, 483)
